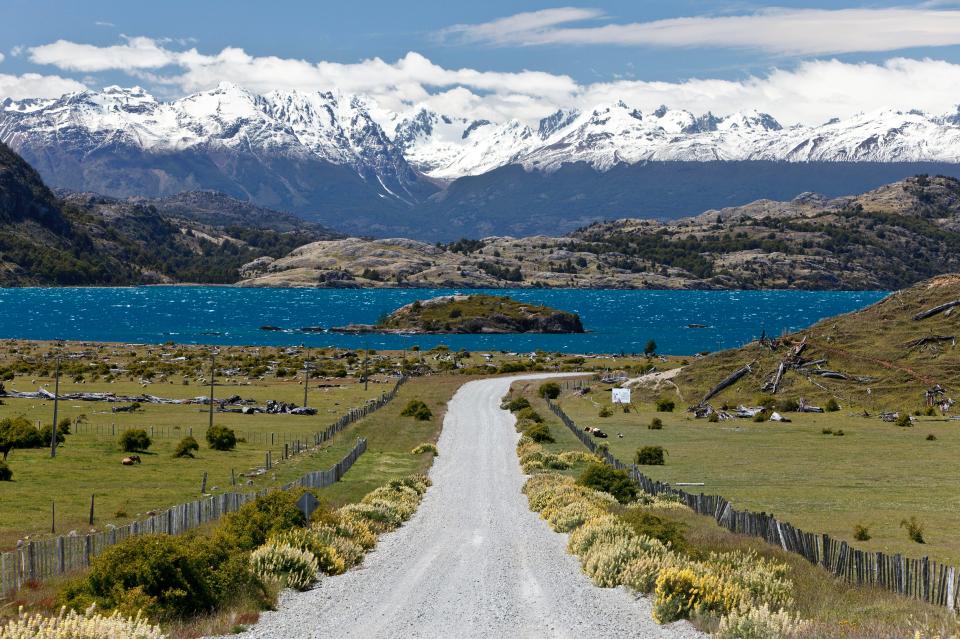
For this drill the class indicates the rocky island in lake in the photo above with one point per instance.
(471, 314)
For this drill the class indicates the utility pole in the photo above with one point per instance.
(306, 381)
(56, 401)
(366, 376)
(213, 360)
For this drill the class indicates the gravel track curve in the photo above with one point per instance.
(474, 561)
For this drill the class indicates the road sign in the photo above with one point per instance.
(307, 504)
(620, 395)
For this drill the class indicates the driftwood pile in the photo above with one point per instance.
(936, 310)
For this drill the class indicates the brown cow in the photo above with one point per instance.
(131, 460)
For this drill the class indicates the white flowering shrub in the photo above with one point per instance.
(573, 515)
(572, 457)
(380, 517)
(759, 623)
(641, 573)
(73, 625)
(285, 564)
(605, 562)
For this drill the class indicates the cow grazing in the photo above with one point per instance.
(131, 460)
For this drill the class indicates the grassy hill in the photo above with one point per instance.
(886, 357)
(887, 238)
(86, 239)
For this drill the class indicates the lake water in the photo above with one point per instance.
(616, 320)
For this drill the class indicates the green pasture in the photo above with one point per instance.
(876, 474)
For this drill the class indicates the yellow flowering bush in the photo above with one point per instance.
(286, 565)
(70, 624)
(573, 515)
(759, 623)
(765, 580)
(682, 592)
(426, 447)
(641, 573)
(379, 517)
(578, 456)
(602, 529)
(350, 526)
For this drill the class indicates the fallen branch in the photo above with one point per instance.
(729, 381)
(936, 310)
(930, 339)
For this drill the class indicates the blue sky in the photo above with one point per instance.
(810, 59)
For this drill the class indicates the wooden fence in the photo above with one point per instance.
(35, 561)
(922, 579)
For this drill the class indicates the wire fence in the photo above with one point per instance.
(923, 579)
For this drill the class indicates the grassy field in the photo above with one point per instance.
(89, 462)
(838, 610)
(876, 474)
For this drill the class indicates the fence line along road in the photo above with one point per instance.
(922, 579)
(35, 561)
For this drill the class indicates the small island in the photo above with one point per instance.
(471, 314)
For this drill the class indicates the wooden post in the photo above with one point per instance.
(213, 360)
(56, 406)
(91, 508)
(233, 478)
(53, 517)
(203, 483)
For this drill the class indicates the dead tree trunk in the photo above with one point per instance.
(936, 310)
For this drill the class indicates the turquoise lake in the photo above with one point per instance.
(617, 321)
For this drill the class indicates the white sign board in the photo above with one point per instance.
(621, 396)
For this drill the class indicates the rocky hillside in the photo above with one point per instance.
(887, 238)
(86, 239)
(882, 358)
(472, 314)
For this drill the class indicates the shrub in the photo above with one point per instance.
(759, 623)
(641, 573)
(75, 625)
(682, 593)
(517, 403)
(418, 410)
(838, 433)
(529, 414)
(903, 420)
(788, 406)
(914, 530)
(605, 411)
(831, 406)
(253, 523)
(931, 437)
(761, 417)
(861, 532)
(186, 447)
(426, 447)
(134, 440)
(605, 562)
(669, 533)
(599, 530)
(713, 418)
(827, 431)
(5, 473)
(665, 405)
(649, 456)
(18, 432)
(165, 577)
(306, 539)
(221, 438)
(549, 390)
(539, 433)
(609, 480)
(62, 431)
(578, 456)
(286, 565)
(655, 424)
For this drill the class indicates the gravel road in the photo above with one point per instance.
(473, 562)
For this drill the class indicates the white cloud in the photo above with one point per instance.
(34, 85)
(2, 57)
(16, 51)
(103, 23)
(774, 30)
(136, 53)
(809, 92)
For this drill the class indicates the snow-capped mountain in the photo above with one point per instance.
(343, 160)
(227, 125)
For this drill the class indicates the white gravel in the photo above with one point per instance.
(473, 562)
